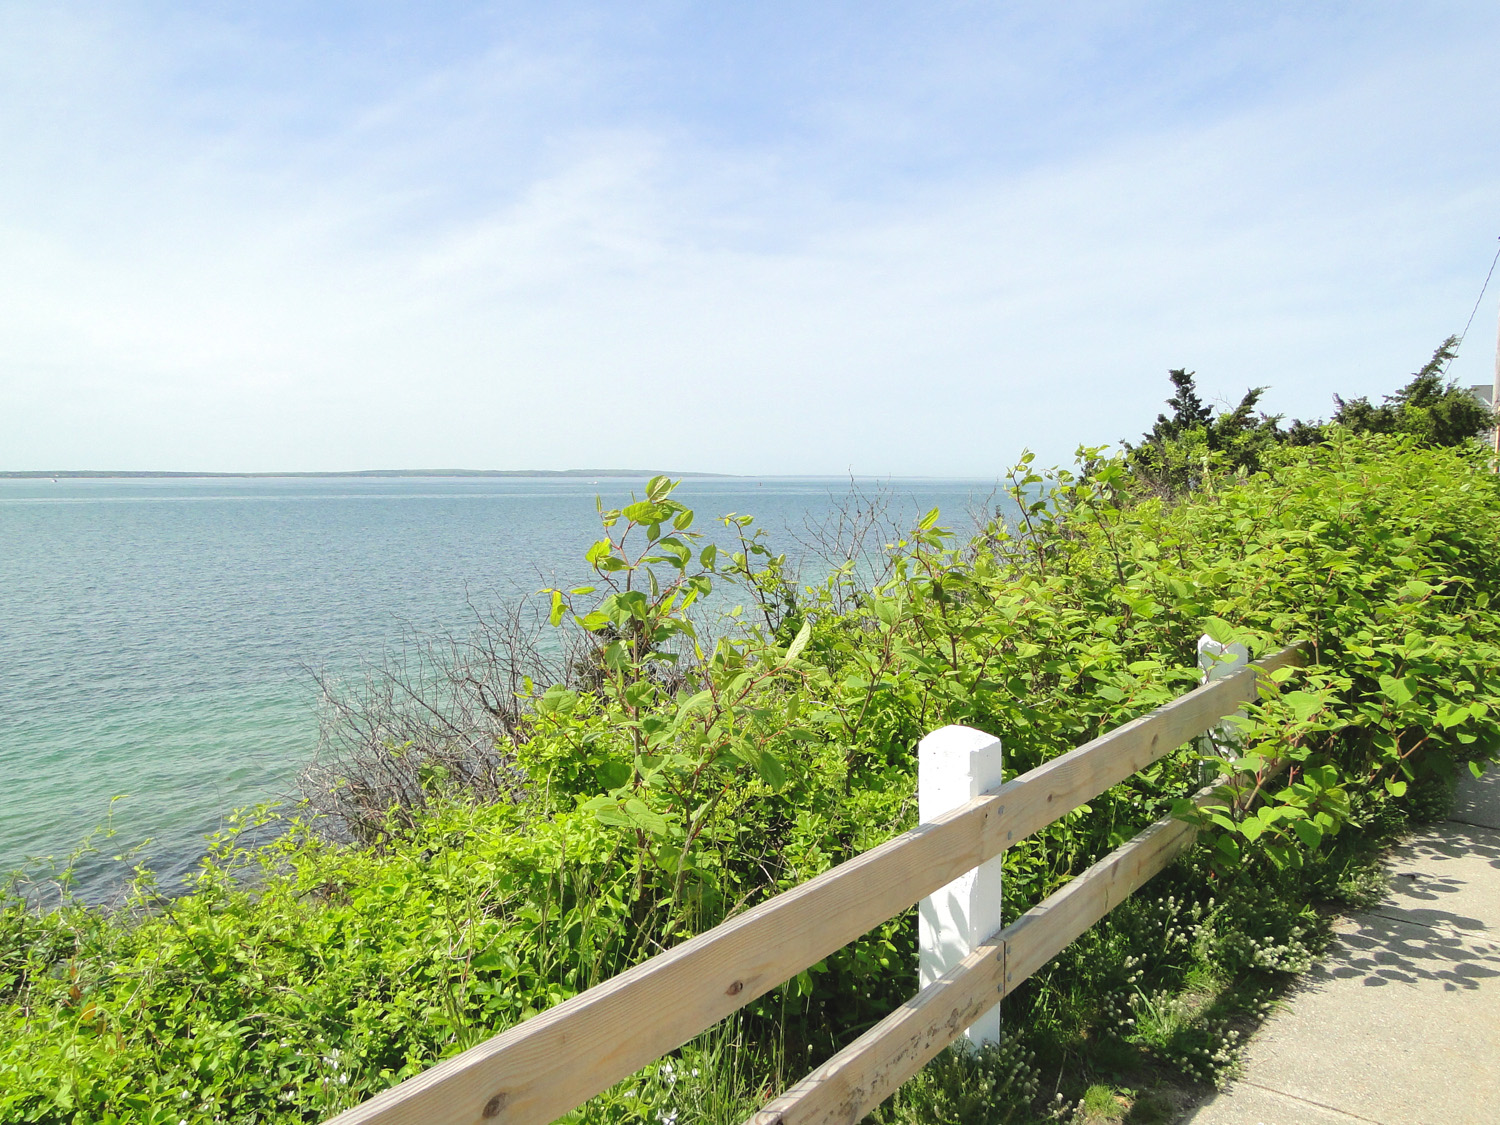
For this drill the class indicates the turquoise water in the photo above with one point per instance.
(155, 633)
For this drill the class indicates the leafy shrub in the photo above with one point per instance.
(668, 781)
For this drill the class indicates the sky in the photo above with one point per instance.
(771, 238)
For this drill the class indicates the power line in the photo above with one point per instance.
(1477, 299)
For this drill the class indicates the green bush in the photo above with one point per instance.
(677, 779)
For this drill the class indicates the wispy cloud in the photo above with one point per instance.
(797, 242)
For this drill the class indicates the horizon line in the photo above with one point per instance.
(175, 474)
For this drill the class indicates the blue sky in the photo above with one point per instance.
(769, 238)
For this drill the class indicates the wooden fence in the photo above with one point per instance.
(550, 1064)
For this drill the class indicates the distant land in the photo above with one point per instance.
(30, 474)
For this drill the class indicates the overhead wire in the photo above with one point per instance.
(1474, 311)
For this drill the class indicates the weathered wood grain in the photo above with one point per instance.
(544, 1067)
(847, 1087)
(1054, 788)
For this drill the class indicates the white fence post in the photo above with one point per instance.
(954, 765)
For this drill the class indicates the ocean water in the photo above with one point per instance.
(156, 633)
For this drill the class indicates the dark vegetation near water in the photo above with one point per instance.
(493, 829)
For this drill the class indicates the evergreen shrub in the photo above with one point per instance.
(672, 780)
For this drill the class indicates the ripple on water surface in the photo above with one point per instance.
(154, 632)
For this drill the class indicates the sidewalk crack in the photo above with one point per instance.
(1448, 928)
(1309, 1101)
(1471, 824)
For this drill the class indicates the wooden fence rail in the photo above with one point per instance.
(540, 1069)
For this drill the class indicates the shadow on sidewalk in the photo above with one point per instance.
(1458, 841)
(1385, 951)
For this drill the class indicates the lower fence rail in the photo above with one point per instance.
(550, 1064)
(869, 1070)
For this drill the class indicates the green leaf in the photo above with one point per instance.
(1220, 630)
(492, 960)
(614, 817)
(1308, 832)
(1399, 692)
(673, 551)
(692, 703)
(613, 775)
(1324, 776)
(1183, 809)
(1395, 788)
(1449, 716)
(643, 817)
(1303, 704)
(799, 642)
(557, 700)
(626, 605)
(646, 513)
(1280, 855)
(1228, 850)
(771, 771)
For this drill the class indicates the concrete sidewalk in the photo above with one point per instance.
(1400, 1022)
